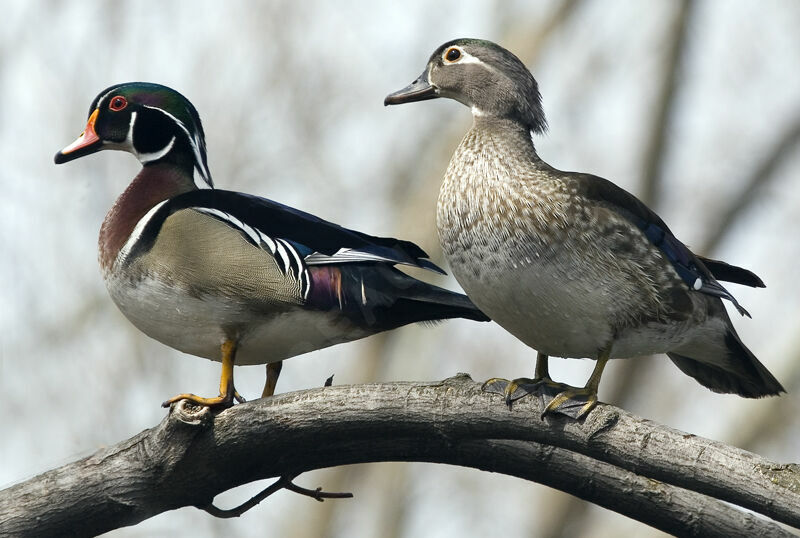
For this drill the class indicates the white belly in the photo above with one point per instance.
(537, 310)
(199, 325)
(562, 314)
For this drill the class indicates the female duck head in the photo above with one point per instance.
(482, 75)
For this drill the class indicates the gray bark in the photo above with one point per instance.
(612, 458)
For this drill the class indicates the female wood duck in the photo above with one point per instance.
(233, 277)
(567, 262)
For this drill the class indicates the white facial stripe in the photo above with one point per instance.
(193, 141)
(129, 137)
(109, 92)
(137, 232)
(176, 120)
(467, 58)
(145, 158)
(127, 144)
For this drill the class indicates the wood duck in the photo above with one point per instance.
(567, 262)
(233, 277)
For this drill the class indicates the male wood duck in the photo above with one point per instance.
(567, 262)
(233, 277)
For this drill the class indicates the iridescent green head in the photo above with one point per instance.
(152, 121)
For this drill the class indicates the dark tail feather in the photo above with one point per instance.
(732, 273)
(381, 297)
(746, 377)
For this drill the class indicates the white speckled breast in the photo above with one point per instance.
(539, 261)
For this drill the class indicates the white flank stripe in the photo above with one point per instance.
(212, 211)
(193, 141)
(305, 285)
(348, 255)
(251, 232)
(276, 247)
(137, 232)
(267, 240)
(284, 256)
(298, 262)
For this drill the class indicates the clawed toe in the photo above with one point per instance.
(557, 398)
(495, 385)
(518, 388)
(572, 402)
(222, 401)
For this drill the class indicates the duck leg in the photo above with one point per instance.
(273, 372)
(577, 402)
(226, 390)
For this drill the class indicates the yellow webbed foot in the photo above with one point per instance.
(227, 392)
(222, 401)
(577, 402)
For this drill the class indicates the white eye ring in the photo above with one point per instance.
(452, 55)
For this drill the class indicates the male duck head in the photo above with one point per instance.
(153, 122)
(490, 80)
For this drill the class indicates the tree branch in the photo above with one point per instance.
(193, 455)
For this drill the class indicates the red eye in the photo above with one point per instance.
(117, 103)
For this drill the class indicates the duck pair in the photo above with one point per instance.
(569, 263)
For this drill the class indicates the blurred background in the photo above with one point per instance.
(693, 106)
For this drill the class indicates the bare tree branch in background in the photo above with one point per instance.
(612, 458)
(518, 36)
(656, 148)
(760, 177)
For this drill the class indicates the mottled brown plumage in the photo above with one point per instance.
(567, 262)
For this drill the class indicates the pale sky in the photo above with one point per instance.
(291, 97)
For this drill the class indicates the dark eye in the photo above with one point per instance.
(452, 54)
(118, 103)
